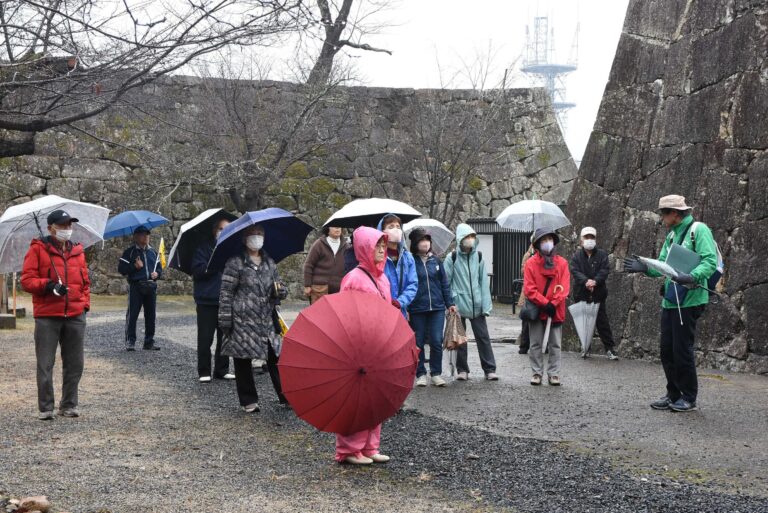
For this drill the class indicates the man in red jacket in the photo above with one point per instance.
(547, 282)
(56, 275)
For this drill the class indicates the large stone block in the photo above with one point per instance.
(758, 185)
(747, 257)
(93, 169)
(657, 19)
(641, 62)
(750, 112)
(756, 321)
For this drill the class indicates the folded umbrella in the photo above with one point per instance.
(192, 235)
(126, 222)
(528, 215)
(368, 212)
(584, 319)
(348, 362)
(440, 234)
(284, 235)
(21, 223)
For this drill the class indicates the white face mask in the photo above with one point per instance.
(547, 247)
(589, 244)
(254, 242)
(395, 234)
(467, 243)
(424, 246)
(63, 235)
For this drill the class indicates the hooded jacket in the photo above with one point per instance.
(434, 293)
(468, 279)
(365, 241)
(403, 281)
(535, 280)
(45, 262)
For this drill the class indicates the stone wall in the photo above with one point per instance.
(684, 113)
(377, 153)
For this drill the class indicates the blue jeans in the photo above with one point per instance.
(429, 327)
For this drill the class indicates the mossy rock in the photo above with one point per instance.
(476, 183)
(283, 201)
(543, 157)
(337, 200)
(287, 186)
(297, 170)
(321, 186)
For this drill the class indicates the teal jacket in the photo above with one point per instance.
(706, 249)
(469, 281)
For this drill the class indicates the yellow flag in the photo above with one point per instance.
(161, 250)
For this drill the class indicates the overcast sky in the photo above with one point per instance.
(456, 31)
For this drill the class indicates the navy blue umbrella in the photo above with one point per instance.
(284, 235)
(124, 224)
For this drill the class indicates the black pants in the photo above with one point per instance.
(139, 298)
(525, 338)
(603, 328)
(677, 352)
(246, 386)
(207, 325)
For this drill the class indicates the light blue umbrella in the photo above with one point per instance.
(125, 223)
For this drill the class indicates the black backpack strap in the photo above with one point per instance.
(546, 287)
(373, 281)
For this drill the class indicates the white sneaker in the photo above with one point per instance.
(257, 364)
(358, 460)
(462, 376)
(252, 408)
(379, 458)
(437, 381)
(491, 376)
(421, 381)
(204, 379)
(229, 375)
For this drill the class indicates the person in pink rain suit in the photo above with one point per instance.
(362, 448)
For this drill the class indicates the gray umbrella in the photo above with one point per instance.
(584, 318)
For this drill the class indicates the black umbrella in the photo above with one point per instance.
(192, 235)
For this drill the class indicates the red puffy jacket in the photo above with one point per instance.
(535, 279)
(39, 269)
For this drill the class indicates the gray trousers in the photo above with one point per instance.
(50, 332)
(484, 349)
(536, 330)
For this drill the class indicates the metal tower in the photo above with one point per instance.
(540, 62)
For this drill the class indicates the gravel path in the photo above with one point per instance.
(152, 439)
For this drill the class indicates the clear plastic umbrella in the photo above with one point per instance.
(528, 215)
(22, 223)
(368, 212)
(584, 318)
(441, 235)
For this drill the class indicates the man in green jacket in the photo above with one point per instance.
(471, 289)
(681, 308)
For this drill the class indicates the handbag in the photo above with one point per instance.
(530, 311)
(454, 335)
(147, 286)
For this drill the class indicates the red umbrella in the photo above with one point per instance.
(348, 362)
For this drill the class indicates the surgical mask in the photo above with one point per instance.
(468, 243)
(589, 244)
(547, 247)
(254, 242)
(395, 234)
(63, 235)
(424, 246)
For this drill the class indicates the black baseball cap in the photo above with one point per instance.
(60, 217)
(140, 229)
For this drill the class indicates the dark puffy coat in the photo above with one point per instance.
(70, 265)
(126, 267)
(585, 267)
(246, 303)
(207, 284)
(434, 292)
